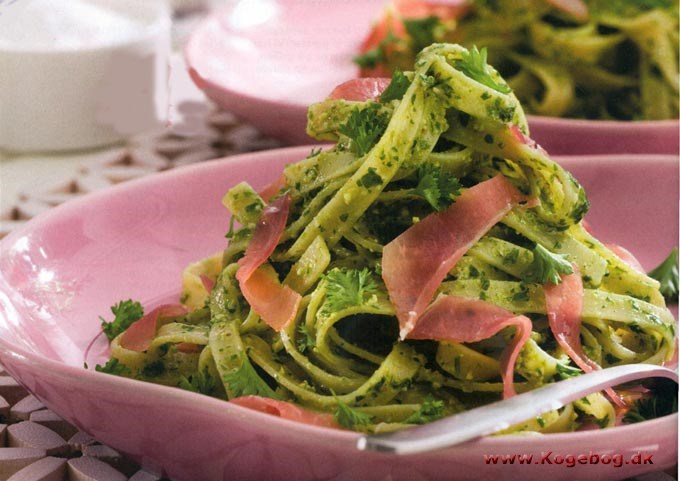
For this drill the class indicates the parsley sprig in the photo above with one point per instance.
(245, 381)
(430, 410)
(348, 287)
(349, 417)
(397, 87)
(547, 267)
(437, 188)
(473, 64)
(125, 313)
(113, 366)
(365, 127)
(201, 382)
(667, 275)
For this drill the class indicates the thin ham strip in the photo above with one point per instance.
(138, 336)
(272, 189)
(564, 302)
(286, 410)
(265, 238)
(360, 89)
(274, 303)
(415, 263)
(458, 319)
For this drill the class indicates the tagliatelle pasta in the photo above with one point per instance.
(433, 260)
(593, 59)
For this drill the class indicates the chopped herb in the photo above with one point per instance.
(348, 287)
(349, 417)
(667, 275)
(565, 371)
(201, 382)
(370, 179)
(430, 410)
(125, 312)
(473, 64)
(115, 367)
(547, 266)
(306, 340)
(365, 127)
(397, 87)
(245, 381)
(437, 188)
(154, 369)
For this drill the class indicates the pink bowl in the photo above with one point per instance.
(268, 61)
(67, 267)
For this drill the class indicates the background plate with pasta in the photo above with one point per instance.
(268, 60)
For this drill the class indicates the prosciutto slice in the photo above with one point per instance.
(416, 262)
(286, 410)
(138, 336)
(275, 303)
(458, 319)
(360, 89)
(564, 302)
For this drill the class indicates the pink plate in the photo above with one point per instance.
(267, 60)
(67, 267)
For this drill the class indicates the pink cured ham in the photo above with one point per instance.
(576, 8)
(270, 190)
(275, 303)
(458, 319)
(286, 410)
(360, 89)
(564, 302)
(138, 336)
(416, 262)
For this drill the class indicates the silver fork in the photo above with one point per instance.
(503, 414)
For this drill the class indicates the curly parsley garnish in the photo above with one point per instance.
(201, 382)
(125, 312)
(349, 417)
(430, 410)
(437, 188)
(113, 366)
(365, 127)
(547, 267)
(473, 64)
(245, 381)
(348, 287)
(306, 340)
(667, 275)
(397, 87)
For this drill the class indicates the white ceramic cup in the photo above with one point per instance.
(84, 73)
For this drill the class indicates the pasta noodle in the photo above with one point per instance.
(306, 304)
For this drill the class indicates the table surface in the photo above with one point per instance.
(31, 184)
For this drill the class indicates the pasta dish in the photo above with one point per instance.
(433, 259)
